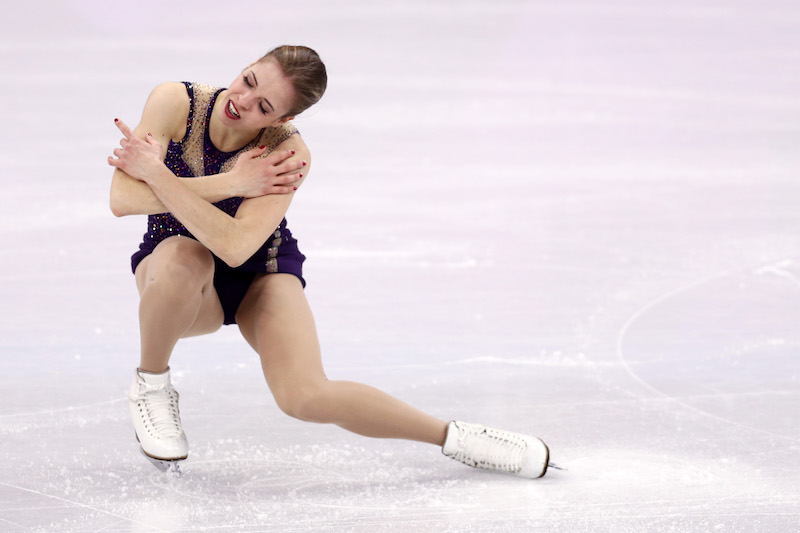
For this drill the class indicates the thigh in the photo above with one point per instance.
(187, 263)
(276, 320)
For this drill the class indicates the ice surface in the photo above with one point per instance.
(574, 219)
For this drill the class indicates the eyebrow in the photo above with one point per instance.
(255, 82)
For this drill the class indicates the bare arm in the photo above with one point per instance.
(134, 197)
(164, 117)
(232, 239)
(130, 196)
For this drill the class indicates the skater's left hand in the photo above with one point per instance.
(139, 158)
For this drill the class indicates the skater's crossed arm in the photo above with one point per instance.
(164, 118)
(232, 239)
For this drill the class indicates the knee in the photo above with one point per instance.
(306, 402)
(181, 259)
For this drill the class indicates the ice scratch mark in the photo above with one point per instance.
(4, 520)
(78, 504)
(63, 409)
(649, 306)
(780, 269)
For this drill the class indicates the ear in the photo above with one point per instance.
(280, 121)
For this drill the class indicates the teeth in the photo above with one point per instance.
(232, 110)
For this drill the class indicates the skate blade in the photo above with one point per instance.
(168, 467)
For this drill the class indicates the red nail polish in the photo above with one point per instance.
(262, 147)
(304, 163)
(116, 120)
(301, 175)
(292, 152)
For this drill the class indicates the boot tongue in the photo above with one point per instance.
(155, 379)
(450, 446)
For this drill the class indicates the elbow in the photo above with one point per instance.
(117, 210)
(116, 200)
(234, 255)
(118, 207)
(233, 262)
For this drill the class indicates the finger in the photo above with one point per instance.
(289, 179)
(290, 166)
(126, 131)
(254, 152)
(277, 158)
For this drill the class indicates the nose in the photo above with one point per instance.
(246, 100)
(249, 98)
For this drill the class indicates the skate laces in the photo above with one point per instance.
(160, 404)
(492, 449)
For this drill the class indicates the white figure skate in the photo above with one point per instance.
(154, 408)
(492, 449)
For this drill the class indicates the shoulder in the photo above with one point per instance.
(284, 137)
(301, 152)
(292, 138)
(168, 106)
(295, 142)
(171, 93)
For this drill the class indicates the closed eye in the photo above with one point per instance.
(251, 85)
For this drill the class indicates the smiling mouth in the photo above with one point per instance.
(232, 111)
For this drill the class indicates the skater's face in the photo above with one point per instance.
(259, 97)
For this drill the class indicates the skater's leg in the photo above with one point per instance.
(178, 299)
(276, 320)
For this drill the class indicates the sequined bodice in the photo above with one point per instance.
(195, 155)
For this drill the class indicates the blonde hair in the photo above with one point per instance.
(305, 70)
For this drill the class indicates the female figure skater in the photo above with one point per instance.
(215, 170)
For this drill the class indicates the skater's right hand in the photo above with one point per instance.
(254, 176)
(139, 158)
